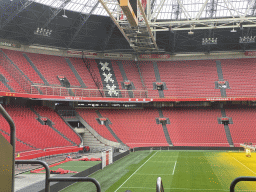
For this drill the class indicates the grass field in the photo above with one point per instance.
(180, 171)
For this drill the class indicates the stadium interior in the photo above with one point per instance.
(127, 95)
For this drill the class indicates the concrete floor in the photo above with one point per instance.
(36, 182)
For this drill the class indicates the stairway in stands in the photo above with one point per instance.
(227, 130)
(76, 73)
(166, 133)
(107, 124)
(158, 80)
(125, 79)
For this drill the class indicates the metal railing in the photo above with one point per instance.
(49, 179)
(12, 139)
(238, 179)
(80, 92)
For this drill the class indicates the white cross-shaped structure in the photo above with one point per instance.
(105, 66)
(108, 77)
(112, 90)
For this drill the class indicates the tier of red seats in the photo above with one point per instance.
(53, 66)
(240, 73)
(149, 77)
(3, 87)
(195, 127)
(243, 128)
(132, 74)
(90, 117)
(20, 61)
(19, 147)
(189, 78)
(30, 131)
(11, 81)
(81, 69)
(118, 74)
(136, 128)
(59, 124)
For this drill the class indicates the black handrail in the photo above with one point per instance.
(12, 140)
(77, 179)
(45, 165)
(238, 179)
(49, 179)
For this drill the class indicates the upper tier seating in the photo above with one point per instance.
(243, 128)
(30, 131)
(90, 117)
(189, 78)
(136, 128)
(240, 73)
(81, 69)
(53, 66)
(117, 72)
(3, 87)
(59, 124)
(195, 127)
(186, 79)
(19, 60)
(11, 81)
(149, 77)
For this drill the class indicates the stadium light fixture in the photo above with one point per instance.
(43, 32)
(247, 39)
(209, 41)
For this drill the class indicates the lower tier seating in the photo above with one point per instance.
(243, 128)
(59, 124)
(136, 128)
(195, 127)
(30, 131)
(90, 117)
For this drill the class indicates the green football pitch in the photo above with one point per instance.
(180, 171)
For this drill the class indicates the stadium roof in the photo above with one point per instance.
(169, 9)
(89, 27)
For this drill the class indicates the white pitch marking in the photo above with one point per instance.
(72, 166)
(152, 174)
(135, 172)
(244, 165)
(179, 188)
(174, 168)
(163, 161)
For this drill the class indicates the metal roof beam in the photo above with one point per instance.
(158, 9)
(147, 25)
(184, 10)
(115, 21)
(85, 19)
(201, 10)
(105, 43)
(193, 21)
(20, 9)
(212, 7)
(56, 12)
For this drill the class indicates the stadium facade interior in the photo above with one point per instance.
(127, 75)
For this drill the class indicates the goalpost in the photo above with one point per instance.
(107, 157)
